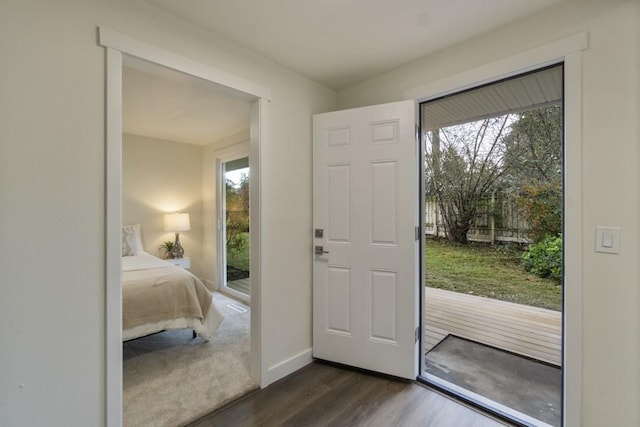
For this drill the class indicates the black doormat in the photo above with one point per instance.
(531, 387)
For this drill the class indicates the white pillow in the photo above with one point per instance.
(131, 240)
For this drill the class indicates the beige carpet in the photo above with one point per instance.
(171, 379)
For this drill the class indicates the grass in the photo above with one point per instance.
(485, 271)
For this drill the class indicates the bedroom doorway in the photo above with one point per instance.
(234, 222)
(120, 49)
(157, 97)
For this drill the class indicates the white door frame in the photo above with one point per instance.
(117, 45)
(224, 155)
(568, 51)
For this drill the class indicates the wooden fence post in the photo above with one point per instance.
(436, 218)
(492, 221)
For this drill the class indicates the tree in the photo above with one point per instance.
(517, 152)
(463, 164)
(534, 151)
(534, 148)
(540, 204)
(237, 208)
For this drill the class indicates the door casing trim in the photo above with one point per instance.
(568, 51)
(116, 46)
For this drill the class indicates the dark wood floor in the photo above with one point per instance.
(326, 395)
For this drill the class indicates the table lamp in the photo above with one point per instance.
(176, 222)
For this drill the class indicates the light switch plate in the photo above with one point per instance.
(608, 240)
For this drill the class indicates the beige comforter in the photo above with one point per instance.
(161, 293)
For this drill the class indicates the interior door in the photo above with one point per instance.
(365, 267)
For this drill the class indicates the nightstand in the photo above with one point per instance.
(180, 262)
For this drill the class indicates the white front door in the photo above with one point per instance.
(365, 283)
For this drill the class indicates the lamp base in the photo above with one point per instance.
(177, 251)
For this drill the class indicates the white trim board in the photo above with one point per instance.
(117, 45)
(289, 366)
(541, 56)
(568, 51)
(113, 226)
(150, 53)
(232, 152)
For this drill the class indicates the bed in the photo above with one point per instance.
(158, 296)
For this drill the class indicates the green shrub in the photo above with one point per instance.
(545, 258)
(541, 207)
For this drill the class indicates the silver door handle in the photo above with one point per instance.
(319, 250)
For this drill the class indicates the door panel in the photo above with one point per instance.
(339, 289)
(365, 283)
(384, 203)
(339, 203)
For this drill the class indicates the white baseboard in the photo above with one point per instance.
(288, 366)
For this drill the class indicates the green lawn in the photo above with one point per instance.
(489, 272)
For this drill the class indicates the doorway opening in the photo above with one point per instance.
(493, 220)
(166, 166)
(235, 223)
(118, 47)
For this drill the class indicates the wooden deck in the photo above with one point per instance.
(241, 285)
(530, 331)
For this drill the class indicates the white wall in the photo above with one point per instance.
(159, 177)
(52, 209)
(52, 192)
(611, 172)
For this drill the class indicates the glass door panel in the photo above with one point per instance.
(236, 225)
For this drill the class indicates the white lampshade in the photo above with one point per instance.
(175, 222)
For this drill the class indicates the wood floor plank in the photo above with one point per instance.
(326, 395)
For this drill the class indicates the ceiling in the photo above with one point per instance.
(166, 104)
(337, 43)
(534, 90)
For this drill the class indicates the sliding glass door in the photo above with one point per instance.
(236, 227)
